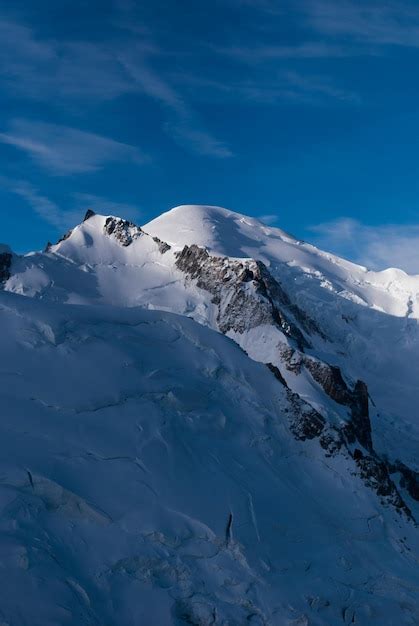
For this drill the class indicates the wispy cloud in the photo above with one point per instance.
(318, 85)
(389, 23)
(68, 71)
(43, 206)
(376, 247)
(77, 204)
(63, 150)
(104, 206)
(198, 140)
(269, 219)
(151, 83)
(262, 53)
(186, 129)
(285, 86)
(42, 68)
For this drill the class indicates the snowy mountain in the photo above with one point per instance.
(223, 433)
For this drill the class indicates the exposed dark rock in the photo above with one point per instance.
(357, 454)
(277, 374)
(332, 441)
(163, 246)
(375, 474)
(292, 359)
(89, 214)
(409, 478)
(65, 236)
(5, 265)
(277, 294)
(360, 419)
(123, 231)
(331, 379)
(305, 422)
(246, 294)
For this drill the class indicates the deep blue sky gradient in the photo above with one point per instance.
(305, 113)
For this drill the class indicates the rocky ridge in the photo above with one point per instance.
(247, 296)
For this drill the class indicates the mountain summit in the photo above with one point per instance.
(206, 421)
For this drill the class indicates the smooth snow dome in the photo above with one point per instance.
(218, 229)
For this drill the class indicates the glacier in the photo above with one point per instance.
(206, 421)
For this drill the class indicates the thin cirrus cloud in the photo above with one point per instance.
(70, 70)
(64, 218)
(40, 204)
(376, 247)
(390, 23)
(38, 68)
(283, 87)
(270, 219)
(347, 28)
(262, 53)
(185, 129)
(64, 151)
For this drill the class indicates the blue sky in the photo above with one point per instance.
(303, 112)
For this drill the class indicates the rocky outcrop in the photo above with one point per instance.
(88, 215)
(331, 380)
(126, 232)
(162, 245)
(275, 371)
(123, 231)
(65, 236)
(409, 478)
(375, 472)
(5, 265)
(246, 294)
(272, 290)
(306, 423)
(359, 427)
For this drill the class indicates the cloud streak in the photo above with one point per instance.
(61, 218)
(45, 208)
(387, 23)
(261, 53)
(69, 71)
(64, 151)
(39, 68)
(186, 130)
(284, 87)
(376, 247)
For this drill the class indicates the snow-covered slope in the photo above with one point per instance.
(361, 314)
(369, 317)
(149, 475)
(228, 233)
(232, 446)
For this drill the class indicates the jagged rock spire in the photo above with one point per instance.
(89, 214)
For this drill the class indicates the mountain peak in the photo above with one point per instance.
(220, 230)
(89, 214)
